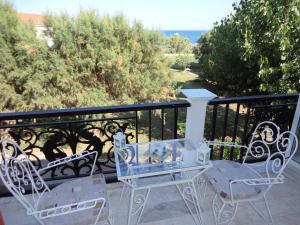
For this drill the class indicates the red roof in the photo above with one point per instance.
(36, 19)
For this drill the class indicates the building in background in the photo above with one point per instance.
(38, 23)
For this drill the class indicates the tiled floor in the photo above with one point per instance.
(165, 206)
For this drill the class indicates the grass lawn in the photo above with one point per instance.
(186, 80)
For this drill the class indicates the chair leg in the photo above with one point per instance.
(267, 220)
(269, 211)
(38, 219)
(100, 210)
(110, 220)
(224, 212)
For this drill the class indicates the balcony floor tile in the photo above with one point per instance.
(165, 206)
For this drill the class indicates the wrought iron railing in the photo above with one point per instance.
(234, 119)
(53, 134)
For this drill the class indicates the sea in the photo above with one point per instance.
(192, 35)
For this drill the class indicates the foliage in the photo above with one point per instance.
(253, 50)
(93, 61)
(222, 69)
(227, 152)
(22, 64)
(183, 61)
(177, 44)
(181, 48)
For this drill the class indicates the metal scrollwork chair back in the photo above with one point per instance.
(272, 148)
(20, 175)
(268, 153)
(86, 197)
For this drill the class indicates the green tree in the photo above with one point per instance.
(93, 61)
(253, 50)
(183, 61)
(127, 62)
(182, 49)
(223, 69)
(271, 29)
(178, 44)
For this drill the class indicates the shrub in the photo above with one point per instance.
(253, 50)
(183, 61)
(177, 44)
(93, 61)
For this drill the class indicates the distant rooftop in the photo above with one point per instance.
(36, 19)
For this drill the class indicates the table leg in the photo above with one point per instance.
(137, 204)
(197, 206)
(200, 183)
(130, 206)
(189, 196)
(124, 188)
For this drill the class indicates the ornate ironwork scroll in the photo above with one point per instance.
(49, 143)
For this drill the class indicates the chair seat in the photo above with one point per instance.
(225, 171)
(80, 189)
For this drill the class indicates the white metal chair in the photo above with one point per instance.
(235, 182)
(78, 201)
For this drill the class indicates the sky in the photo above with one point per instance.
(154, 14)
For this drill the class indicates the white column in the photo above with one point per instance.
(195, 118)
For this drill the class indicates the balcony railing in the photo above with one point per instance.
(234, 119)
(52, 134)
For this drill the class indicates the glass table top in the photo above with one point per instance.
(156, 158)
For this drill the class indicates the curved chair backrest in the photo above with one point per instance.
(19, 175)
(273, 149)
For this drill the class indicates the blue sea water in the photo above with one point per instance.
(192, 35)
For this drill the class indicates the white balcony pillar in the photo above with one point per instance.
(195, 118)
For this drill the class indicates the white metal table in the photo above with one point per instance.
(143, 166)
